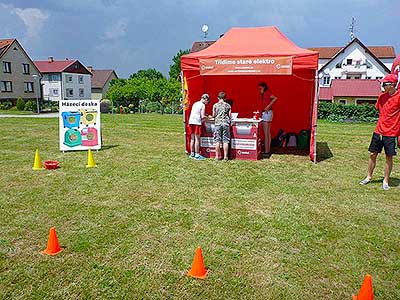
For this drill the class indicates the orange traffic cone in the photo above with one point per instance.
(53, 246)
(366, 292)
(198, 270)
(37, 163)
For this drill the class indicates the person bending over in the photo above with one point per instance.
(222, 116)
(197, 116)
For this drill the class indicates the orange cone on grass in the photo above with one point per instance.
(37, 163)
(198, 269)
(90, 160)
(366, 292)
(53, 247)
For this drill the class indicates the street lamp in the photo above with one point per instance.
(36, 78)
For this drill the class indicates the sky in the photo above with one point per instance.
(129, 35)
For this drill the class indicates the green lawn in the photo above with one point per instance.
(281, 228)
(16, 112)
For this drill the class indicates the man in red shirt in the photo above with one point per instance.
(387, 129)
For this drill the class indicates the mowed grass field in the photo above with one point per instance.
(280, 228)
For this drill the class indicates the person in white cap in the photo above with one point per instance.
(197, 116)
(387, 129)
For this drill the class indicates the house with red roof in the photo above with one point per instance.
(19, 77)
(65, 79)
(350, 74)
(101, 82)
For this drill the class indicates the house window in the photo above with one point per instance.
(80, 79)
(54, 92)
(368, 77)
(365, 102)
(369, 65)
(342, 101)
(25, 69)
(338, 65)
(54, 77)
(6, 67)
(68, 78)
(326, 80)
(76, 66)
(6, 86)
(349, 61)
(357, 77)
(379, 77)
(338, 77)
(70, 92)
(81, 93)
(28, 87)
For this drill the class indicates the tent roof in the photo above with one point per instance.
(257, 41)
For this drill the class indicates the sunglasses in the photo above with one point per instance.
(387, 83)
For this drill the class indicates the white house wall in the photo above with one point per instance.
(388, 62)
(64, 85)
(354, 52)
(49, 85)
(75, 85)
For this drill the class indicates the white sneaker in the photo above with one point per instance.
(365, 181)
(385, 186)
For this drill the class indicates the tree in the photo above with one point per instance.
(146, 87)
(149, 74)
(175, 68)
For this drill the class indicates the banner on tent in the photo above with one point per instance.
(246, 66)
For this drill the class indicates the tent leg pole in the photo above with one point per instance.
(184, 113)
(316, 115)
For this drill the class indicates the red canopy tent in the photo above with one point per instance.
(244, 57)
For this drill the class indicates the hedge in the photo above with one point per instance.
(350, 113)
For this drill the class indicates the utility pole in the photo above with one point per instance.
(36, 78)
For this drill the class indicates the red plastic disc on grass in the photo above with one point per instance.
(51, 164)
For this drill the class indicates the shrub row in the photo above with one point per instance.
(5, 104)
(350, 113)
(29, 105)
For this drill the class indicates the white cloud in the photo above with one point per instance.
(117, 30)
(33, 18)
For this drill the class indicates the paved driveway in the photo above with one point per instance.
(49, 115)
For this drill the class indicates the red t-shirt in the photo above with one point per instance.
(266, 99)
(389, 114)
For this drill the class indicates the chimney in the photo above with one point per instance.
(90, 68)
(50, 59)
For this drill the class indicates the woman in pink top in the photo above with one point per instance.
(267, 100)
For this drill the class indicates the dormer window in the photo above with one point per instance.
(326, 80)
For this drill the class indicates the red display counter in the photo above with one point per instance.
(245, 144)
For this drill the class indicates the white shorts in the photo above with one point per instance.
(267, 116)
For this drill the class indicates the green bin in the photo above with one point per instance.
(303, 141)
